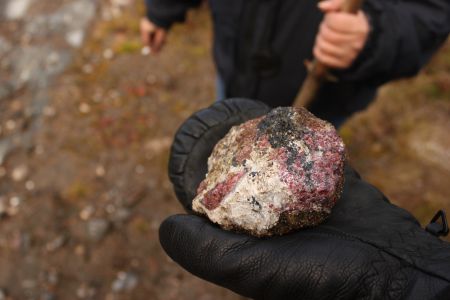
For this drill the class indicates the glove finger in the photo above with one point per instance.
(213, 254)
(363, 212)
(196, 138)
(280, 267)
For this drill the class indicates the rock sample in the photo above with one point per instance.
(274, 174)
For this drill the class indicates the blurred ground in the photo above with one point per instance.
(86, 122)
(401, 142)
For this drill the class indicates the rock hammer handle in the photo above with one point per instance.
(316, 70)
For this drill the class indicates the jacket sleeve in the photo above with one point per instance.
(404, 35)
(166, 12)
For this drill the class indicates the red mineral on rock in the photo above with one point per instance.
(274, 174)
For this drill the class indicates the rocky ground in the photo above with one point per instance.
(86, 121)
(401, 142)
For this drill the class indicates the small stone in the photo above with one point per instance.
(86, 291)
(16, 9)
(19, 173)
(120, 215)
(13, 207)
(149, 155)
(15, 201)
(110, 208)
(67, 18)
(12, 211)
(121, 3)
(100, 171)
(88, 69)
(84, 108)
(87, 212)
(97, 229)
(429, 142)
(146, 51)
(125, 281)
(10, 125)
(16, 106)
(111, 296)
(56, 243)
(29, 284)
(29, 185)
(47, 284)
(106, 14)
(98, 96)
(47, 296)
(140, 169)
(154, 224)
(49, 111)
(151, 79)
(52, 277)
(271, 175)
(135, 263)
(80, 250)
(108, 53)
(39, 150)
(53, 59)
(116, 12)
(158, 145)
(75, 38)
(114, 94)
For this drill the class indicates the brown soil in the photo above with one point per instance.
(106, 146)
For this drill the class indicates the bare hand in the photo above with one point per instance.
(152, 35)
(341, 36)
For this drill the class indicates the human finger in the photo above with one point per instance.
(158, 40)
(347, 23)
(333, 36)
(330, 5)
(330, 60)
(209, 252)
(339, 50)
(146, 30)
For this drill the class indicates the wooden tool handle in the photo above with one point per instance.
(317, 71)
(351, 6)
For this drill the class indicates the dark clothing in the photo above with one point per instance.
(260, 47)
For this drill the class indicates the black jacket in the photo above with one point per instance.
(260, 47)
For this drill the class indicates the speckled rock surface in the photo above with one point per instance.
(274, 174)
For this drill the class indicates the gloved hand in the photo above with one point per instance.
(367, 249)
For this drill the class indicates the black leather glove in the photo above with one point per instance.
(367, 249)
